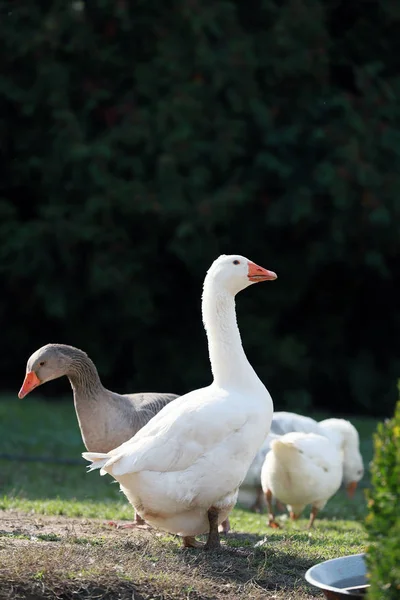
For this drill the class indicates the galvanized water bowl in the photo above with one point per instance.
(338, 578)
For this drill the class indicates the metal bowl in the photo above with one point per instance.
(338, 578)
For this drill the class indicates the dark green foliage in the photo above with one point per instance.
(383, 521)
(139, 140)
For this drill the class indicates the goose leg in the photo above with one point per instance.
(225, 527)
(258, 505)
(312, 517)
(213, 541)
(271, 517)
(191, 542)
(138, 519)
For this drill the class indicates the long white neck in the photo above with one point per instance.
(229, 363)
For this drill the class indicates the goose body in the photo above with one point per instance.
(301, 469)
(182, 471)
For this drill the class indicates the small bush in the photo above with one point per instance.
(383, 520)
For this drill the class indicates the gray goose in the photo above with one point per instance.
(106, 419)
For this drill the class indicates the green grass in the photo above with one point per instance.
(35, 427)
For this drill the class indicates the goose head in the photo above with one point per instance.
(353, 471)
(353, 467)
(47, 363)
(233, 273)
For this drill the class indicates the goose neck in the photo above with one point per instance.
(84, 377)
(229, 363)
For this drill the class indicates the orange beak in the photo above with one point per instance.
(256, 273)
(30, 382)
(351, 488)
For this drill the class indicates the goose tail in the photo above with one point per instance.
(283, 447)
(98, 460)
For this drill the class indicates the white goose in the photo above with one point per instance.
(300, 469)
(181, 471)
(341, 433)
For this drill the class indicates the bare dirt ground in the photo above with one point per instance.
(62, 558)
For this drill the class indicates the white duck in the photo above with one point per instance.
(300, 469)
(182, 470)
(340, 431)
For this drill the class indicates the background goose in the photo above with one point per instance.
(106, 419)
(301, 469)
(183, 469)
(340, 431)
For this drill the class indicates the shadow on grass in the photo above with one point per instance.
(239, 562)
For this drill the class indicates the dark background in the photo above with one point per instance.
(140, 140)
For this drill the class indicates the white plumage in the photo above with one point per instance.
(301, 469)
(182, 470)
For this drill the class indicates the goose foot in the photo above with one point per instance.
(133, 525)
(225, 527)
(138, 523)
(190, 541)
(213, 541)
(273, 524)
(120, 526)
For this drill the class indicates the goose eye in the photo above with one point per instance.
(41, 364)
(236, 262)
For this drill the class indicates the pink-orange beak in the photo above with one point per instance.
(351, 488)
(30, 382)
(256, 273)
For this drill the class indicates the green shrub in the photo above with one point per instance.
(383, 521)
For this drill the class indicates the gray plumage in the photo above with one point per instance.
(106, 419)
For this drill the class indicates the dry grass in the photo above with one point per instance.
(55, 557)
